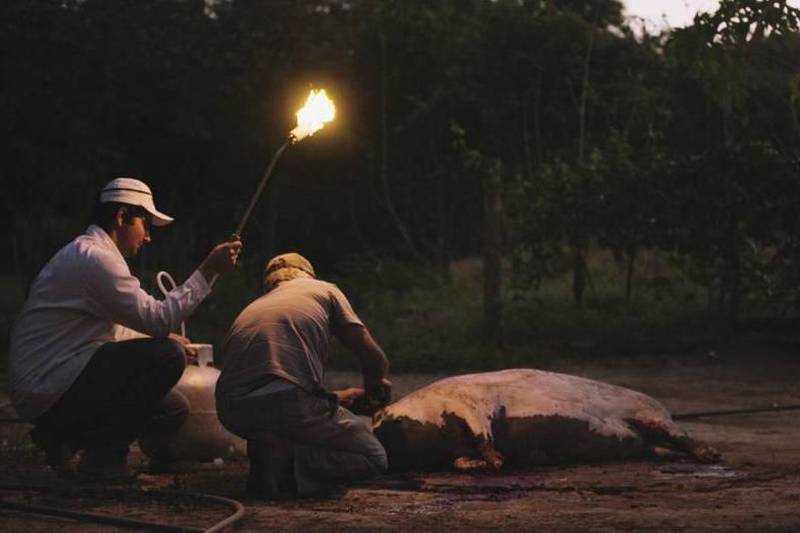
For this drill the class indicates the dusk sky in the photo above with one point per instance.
(658, 14)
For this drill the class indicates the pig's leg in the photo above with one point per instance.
(490, 458)
(667, 441)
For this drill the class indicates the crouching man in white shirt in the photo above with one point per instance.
(80, 368)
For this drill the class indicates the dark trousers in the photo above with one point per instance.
(123, 391)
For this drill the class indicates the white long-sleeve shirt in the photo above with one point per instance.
(83, 298)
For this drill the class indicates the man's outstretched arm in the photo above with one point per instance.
(374, 363)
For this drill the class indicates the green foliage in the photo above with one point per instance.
(598, 139)
(731, 204)
(423, 320)
(427, 321)
(736, 55)
(667, 309)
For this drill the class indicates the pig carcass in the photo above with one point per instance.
(525, 417)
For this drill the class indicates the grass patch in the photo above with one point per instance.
(432, 321)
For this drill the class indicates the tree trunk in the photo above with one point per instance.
(631, 267)
(492, 256)
(579, 275)
(731, 282)
(353, 215)
(537, 122)
(579, 272)
(532, 158)
(445, 230)
(793, 105)
(585, 96)
(526, 142)
(384, 159)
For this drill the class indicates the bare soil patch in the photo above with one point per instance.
(755, 488)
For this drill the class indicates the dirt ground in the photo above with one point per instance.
(755, 488)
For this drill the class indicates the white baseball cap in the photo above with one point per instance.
(134, 192)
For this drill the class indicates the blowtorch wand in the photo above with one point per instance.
(261, 185)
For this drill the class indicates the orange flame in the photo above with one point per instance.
(312, 117)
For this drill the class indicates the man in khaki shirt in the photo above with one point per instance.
(300, 439)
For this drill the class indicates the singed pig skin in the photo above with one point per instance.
(525, 417)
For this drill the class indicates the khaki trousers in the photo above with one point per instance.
(330, 444)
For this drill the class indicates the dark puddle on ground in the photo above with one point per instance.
(447, 492)
(696, 471)
(482, 484)
(451, 491)
(445, 502)
(426, 508)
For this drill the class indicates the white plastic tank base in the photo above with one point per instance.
(202, 437)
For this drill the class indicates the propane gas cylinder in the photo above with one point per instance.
(201, 437)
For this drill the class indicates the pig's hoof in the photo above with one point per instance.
(468, 464)
(706, 454)
(662, 452)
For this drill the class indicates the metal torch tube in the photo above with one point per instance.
(263, 183)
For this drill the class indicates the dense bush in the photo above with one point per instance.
(429, 320)
(538, 133)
